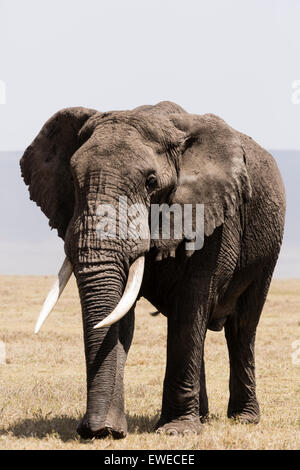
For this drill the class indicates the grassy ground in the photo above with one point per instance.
(42, 386)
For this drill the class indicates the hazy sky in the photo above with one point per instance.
(238, 59)
(235, 58)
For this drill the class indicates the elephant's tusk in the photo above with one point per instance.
(133, 285)
(55, 292)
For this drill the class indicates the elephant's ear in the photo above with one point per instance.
(212, 170)
(45, 165)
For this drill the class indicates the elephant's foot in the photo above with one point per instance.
(89, 428)
(178, 426)
(247, 414)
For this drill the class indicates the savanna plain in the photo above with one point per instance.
(42, 383)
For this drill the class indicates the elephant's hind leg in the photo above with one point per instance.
(240, 330)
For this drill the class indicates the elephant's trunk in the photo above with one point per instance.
(100, 290)
(102, 269)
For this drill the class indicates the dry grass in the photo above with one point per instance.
(42, 386)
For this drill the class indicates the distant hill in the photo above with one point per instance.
(27, 246)
(289, 165)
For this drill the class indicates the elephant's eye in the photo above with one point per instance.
(151, 183)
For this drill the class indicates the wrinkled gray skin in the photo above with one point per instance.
(82, 158)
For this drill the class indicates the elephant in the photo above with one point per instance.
(160, 154)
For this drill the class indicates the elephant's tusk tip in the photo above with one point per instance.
(37, 328)
(104, 323)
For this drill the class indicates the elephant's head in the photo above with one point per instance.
(83, 159)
